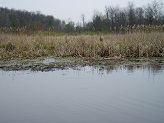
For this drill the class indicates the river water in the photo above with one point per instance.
(83, 95)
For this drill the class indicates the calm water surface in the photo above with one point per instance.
(86, 95)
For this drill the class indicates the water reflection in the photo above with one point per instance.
(90, 94)
(152, 67)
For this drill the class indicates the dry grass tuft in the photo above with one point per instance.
(132, 45)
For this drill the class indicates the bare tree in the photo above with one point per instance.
(123, 18)
(131, 14)
(83, 20)
(139, 16)
(149, 14)
(97, 20)
(112, 13)
(157, 11)
(107, 17)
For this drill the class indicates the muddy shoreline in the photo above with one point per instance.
(54, 63)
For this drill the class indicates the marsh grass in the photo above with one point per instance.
(113, 46)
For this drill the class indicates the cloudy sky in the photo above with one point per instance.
(68, 9)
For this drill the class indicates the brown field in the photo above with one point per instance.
(115, 46)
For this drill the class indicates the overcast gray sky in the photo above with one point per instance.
(64, 9)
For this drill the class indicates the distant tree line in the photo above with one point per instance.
(113, 19)
(33, 21)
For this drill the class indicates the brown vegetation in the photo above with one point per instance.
(131, 45)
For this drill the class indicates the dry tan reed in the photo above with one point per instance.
(111, 46)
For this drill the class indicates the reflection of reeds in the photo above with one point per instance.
(132, 45)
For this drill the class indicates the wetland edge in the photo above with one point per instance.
(57, 63)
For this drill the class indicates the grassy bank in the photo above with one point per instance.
(113, 46)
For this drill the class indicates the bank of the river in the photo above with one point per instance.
(54, 63)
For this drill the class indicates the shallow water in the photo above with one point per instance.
(83, 95)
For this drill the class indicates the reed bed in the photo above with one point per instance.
(112, 46)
